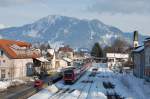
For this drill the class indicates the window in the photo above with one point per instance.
(1, 53)
(3, 61)
(3, 73)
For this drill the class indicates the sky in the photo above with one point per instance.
(127, 15)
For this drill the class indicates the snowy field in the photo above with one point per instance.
(92, 87)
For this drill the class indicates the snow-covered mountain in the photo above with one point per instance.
(64, 30)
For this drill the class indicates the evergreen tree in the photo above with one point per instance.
(97, 50)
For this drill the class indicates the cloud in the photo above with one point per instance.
(120, 6)
(2, 26)
(6, 3)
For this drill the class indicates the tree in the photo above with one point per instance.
(118, 46)
(97, 50)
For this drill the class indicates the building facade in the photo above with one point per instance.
(147, 59)
(141, 58)
(138, 60)
(16, 59)
(116, 59)
(65, 51)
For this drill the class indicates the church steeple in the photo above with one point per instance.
(135, 39)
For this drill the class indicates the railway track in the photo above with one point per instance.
(81, 91)
(61, 94)
(84, 88)
(93, 84)
(110, 87)
(89, 93)
(90, 83)
(58, 94)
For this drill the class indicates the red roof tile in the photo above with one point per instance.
(5, 45)
(65, 49)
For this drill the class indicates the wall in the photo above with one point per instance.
(21, 67)
(65, 54)
(53, 61)
(61, 63)
(15, 68)
(147, 62)
(6, 63)
(139, 64)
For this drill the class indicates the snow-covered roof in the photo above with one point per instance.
(67, 59)
(117, 55)
(147, 39)
(51, 51)
(42, 59)
(139, 49)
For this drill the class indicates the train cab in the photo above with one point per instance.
(69, 75)
(38, 84)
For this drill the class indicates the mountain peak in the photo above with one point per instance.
(68, 30)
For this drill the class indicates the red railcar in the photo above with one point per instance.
(71, 74)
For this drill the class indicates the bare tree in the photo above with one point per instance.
(118, 46)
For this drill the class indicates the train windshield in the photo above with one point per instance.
(68, 73)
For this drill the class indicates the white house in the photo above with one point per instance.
(52, 57)
(60, 63)
(16, 59)
(116, 59)
(64, 57)
(65, 51)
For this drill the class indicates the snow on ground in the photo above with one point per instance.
(134, 88)
(126, 85)
(5, 84)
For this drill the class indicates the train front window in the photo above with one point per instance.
(68, 75)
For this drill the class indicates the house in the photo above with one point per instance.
(60, 63)
(51, 56)
(141, 58)
(78, 56)
(68, 60)
(16, 59)
(147, 59)
(65, 51)
(138, 61)
(63, 62)
(41, 66)
(64, 57)
(116, 59)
